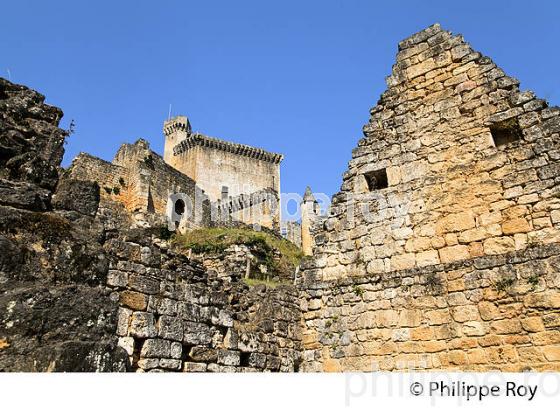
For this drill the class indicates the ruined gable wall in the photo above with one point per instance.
(455, 266)
(143, 181)
(451, 194)
(86, 167)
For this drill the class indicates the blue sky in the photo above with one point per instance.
(296, 77)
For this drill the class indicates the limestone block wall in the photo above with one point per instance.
(497, 312)
(259, 207)
(142, 181)
(86, 167)
(176, 316)
(456, 162)
(213, 168)
(154, 179)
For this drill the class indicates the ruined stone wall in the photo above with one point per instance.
(108, 176)
(499, 312)
(441, 249)
(140, 180)
(82, 291)
(155, 180)
(176, 316)
(456, 163)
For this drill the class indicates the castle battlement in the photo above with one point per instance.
(198, 139)
(226, 171)
(178, 123)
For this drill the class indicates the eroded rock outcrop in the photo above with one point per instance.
(55, 312)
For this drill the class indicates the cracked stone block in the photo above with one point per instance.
(156, 348)
(229, 357)
(142, 325)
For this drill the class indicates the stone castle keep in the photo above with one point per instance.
(441, 251)
(224, 181)
(222, 169)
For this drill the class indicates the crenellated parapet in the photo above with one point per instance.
(198, 139)
(175, 124)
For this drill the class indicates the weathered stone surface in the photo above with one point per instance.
(495, 246)
(31, 144)
(117, 278)
(134, 300)
(55, 313)
(170, 328)
(203, 354)
(228, 357)
(156, 348)
(79, 196)
(171, 364)
(195, 367)
(518, 225)
(24, 195)
(142, 325)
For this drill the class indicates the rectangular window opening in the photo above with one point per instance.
(377, 179)
(505, 132)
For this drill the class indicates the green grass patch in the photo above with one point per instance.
(216, 240)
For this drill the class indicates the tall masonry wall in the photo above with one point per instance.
(451, 193)
(140, 180)
(213, 168)
(457, 167)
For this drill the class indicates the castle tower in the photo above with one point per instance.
(176, 129)
(227, 172)
(309, 212)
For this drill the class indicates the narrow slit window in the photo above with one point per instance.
(225, 193)
(376, 179)
(505, 132)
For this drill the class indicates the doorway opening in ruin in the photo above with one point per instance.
(505, 132)
(376, 179)
(179, 207)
